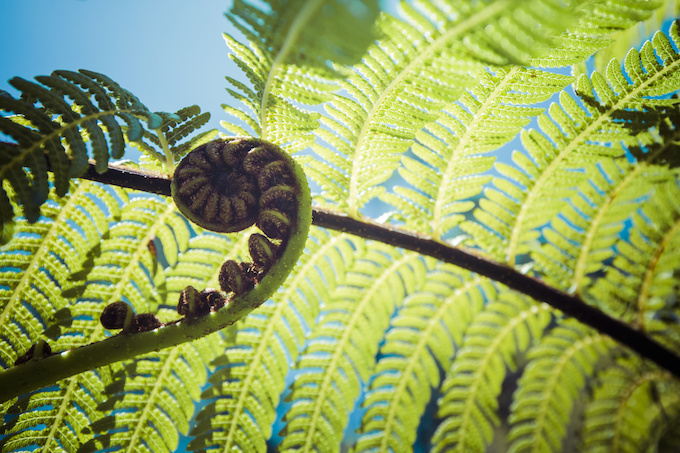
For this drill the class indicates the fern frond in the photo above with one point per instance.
(152, 397)
(469, 403)
(42, 260)
(556, 375)
(632, 407)
(418, 64)
(287, 62)
(51, 133)
(123, 269)
(450, 151)
(642, 285)
(340, 353)
(575, 138)
(251, 374)
(581, 239)
(593, 31)
(422, 338)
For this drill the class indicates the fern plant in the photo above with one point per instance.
(516, 295)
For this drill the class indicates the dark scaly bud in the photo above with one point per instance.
(262, 251)
(276, 173)
(279, 198)
(189, 303)
(117, 315)
(37, 351)
(213, 298)
(234, 277)
(258, 158)
(274, 224)
(145, 322)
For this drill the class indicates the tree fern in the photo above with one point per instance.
(361, 329)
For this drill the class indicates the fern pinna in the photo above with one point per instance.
(141, 320)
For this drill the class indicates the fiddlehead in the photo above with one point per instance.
(229, 185)
(286, 221)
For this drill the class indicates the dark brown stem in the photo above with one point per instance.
(570, 305)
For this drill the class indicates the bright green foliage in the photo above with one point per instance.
(339, 355)
(280, 67)
(552, 382)
(469, 404)
(367, 347)
(632, 407)
(422, 339)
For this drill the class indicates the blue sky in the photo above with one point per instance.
(169, 53)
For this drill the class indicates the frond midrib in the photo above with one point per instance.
(262, 346)
(564, 152)
(401, 389)
(298, 25)
(442, 198)
(396, 82)
(331, 370)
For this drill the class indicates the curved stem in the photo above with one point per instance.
(36, 374)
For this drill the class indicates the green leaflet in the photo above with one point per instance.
(339, 355)
(498, 335)
(555, 377)
(45, 127)
(631, 409)
(403, 82)
(574, 138)
(423, 338)
(282, 69)
(42, 260)
(448, 171)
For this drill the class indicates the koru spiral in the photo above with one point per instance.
(227, 186)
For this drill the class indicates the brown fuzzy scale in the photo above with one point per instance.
(145, 322)
(45, 351)
(115, 315)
